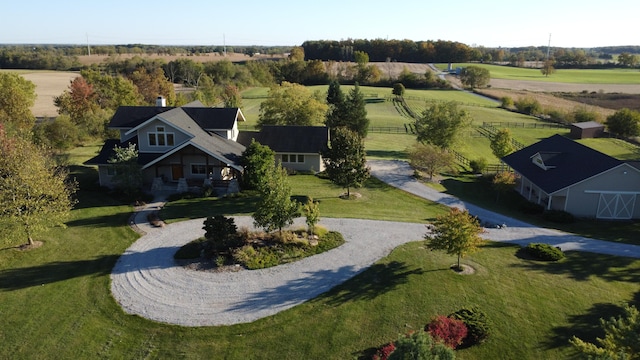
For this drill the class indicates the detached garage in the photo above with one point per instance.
(561, 174)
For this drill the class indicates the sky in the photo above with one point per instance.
(489, 23)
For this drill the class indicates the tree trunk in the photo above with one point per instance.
(459, 263)
(30, 240)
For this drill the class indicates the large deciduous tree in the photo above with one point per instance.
(456, 233)
(548, 68)
(292, 104)
(475, 76)
(112, 91)
(624, 123)
(430, 158)
(627, 59)
(276, 209)
(151, 84)
(441, 123)
(17, 96)
(345, 161)
(35, 193)
(621, 338)
(502, 143)
(257, 160)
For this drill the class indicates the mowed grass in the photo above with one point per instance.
(376, 201)
(56, 301)
(578, 76)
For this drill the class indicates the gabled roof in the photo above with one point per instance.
(588, 125)
(227, 151)
(208, 118)
(289, 138)
(567, 162)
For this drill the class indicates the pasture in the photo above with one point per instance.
(580, 76)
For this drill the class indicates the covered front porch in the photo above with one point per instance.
(533, 193)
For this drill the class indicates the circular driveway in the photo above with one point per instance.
(147, 282)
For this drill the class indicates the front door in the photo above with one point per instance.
(176, 172)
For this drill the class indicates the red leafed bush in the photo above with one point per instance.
(384, 352)
(449, 331)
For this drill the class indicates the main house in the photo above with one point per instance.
(561, 174)
(194, 145)
(191, 145)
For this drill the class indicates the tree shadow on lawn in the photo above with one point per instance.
(581, 266)
(376, 280)
(21, 278)
(100, 221)
(587, 326)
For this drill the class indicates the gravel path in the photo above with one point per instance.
(145, 281)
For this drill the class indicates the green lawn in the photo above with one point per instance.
(619, 149)
(378, 201)
(56, 302)
(578, 76)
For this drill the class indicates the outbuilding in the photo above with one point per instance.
(587, 129)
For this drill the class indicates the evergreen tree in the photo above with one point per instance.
(621, 340)
(357, 120)
(337, 105)
(345, 161)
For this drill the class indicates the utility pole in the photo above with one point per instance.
(548, 46)
(88, 48)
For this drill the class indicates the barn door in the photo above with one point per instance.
(616, 206)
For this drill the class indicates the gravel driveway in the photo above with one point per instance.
(145, 281)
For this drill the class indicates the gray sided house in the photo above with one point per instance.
(561, 174)
(178, 147)
(297, 148)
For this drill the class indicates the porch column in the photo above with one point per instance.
(549, 202)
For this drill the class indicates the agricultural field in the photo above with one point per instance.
(49, 84)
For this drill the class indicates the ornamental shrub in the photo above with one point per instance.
(384, 352)
(221, 234)
(420, 346)
(476, 322)
(544, 252)
(449, 331)
(478, 165)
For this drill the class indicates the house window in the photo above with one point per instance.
(292, 158)
(198, 169)
(161, 138)
(111, 171)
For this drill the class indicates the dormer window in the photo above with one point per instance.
(542, 159)
(160, 137)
